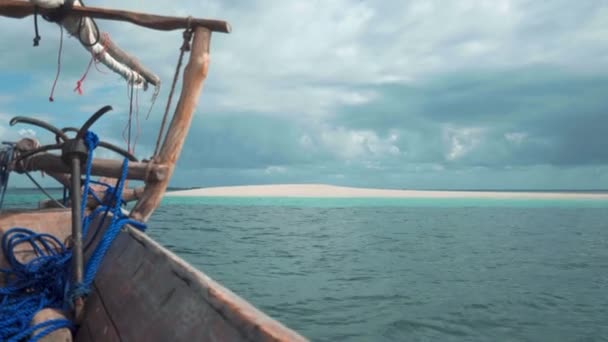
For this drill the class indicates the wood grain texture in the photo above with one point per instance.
(97, 325)
(194, 76)
(150, 294)
(22, 9)
(101, 167)
(128, 195)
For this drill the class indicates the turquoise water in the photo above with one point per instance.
(396, 270)
(386, 202)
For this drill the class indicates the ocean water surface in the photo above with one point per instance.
(403, 270)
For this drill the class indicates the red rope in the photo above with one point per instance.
(79, 82)
(51, 99)
(95, 57)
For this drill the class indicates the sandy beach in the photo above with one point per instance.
(331, 191)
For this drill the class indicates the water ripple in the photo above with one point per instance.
(406, 273)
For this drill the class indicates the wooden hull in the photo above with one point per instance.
(144, 292)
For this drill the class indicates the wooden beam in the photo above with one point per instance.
(128, 195)
(194, 76)
(21, 9)
(52, 163)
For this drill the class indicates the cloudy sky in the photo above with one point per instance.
(425, 94)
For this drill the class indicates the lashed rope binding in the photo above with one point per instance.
(45, 280)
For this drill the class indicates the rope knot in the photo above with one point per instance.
(78, 87)
(37, 37)
(187, 37)
(78, 291)
(91, 139)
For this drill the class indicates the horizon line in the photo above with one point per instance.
(413, 189)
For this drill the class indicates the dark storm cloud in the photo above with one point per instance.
(246, 140)
(552, 116)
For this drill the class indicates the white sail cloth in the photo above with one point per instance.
(92, 40)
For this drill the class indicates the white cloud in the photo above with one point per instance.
(287, 57)
(309, 60)
(460, 141)
(27, 133)
(275, 169)
(357, 98)
(358, 144)
(516, 137)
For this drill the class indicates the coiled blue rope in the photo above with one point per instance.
(44, 281)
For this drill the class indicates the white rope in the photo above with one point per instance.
(127, 73)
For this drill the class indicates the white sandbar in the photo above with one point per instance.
(331, 191)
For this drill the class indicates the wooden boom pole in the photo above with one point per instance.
(22, 9)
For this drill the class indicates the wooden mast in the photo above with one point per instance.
(194, 77)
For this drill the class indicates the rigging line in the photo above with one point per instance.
(93, 61)
(128, 124)
(130, 117)
(43, 190)
(137, 124)
(153, 100)
(185, 47)
(37, 37)
(51, 99)
(79, 83)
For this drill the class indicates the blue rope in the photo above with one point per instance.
(32, 286)
(45, 281)
(64, 201)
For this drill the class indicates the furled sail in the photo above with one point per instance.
(100, 44)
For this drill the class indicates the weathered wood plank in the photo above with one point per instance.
(97, 327)
(49, 162)
(152, 295)
(193, 78)
(142, 291)
(84, 333)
